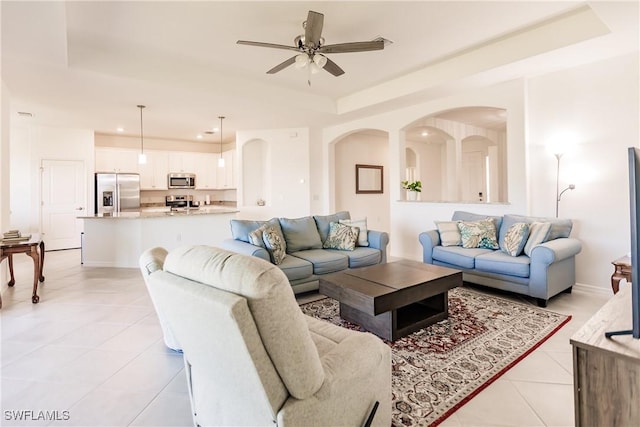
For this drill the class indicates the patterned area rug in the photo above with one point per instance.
(438, 369)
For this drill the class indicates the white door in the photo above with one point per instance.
(63, 200)
(473, 177)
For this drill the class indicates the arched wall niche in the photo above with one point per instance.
(364, 147)
(462, 154)
(255, 172)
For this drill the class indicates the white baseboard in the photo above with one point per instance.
(593, 289)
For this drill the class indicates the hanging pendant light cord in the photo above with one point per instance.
(141, 132)
(221, 117)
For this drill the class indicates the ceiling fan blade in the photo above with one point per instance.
(282, 65)
(352, 47)
(271, 45)
(313, 28)
(333, 68)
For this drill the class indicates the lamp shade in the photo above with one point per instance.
(302, 60)
(320, 60)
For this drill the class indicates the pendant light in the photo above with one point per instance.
(221, 159)
(142, 158)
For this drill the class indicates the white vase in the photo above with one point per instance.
(412, 195)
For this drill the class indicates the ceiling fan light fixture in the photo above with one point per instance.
(320, 60)
(302, 60)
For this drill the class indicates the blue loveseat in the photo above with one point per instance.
(306, 259)
(548, 271)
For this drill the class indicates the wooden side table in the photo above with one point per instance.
(622, 271)
(34, 247)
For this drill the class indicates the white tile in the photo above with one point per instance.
(135, 338)
(500, 404)
(179, 383)
(91, 335)
(93, 367)
(552, 402)
(168, 409)
(539, 367)
(41, 362)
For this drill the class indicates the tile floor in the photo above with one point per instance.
(91, 353)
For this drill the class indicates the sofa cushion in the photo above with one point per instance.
(341, 236)
(538, 233)
(363, 233)
(457, 255)
(300, 234)
(256, 236)
(275, 243)
(449, 233)
(240, 228)
(515, 239)
(361, 257)
(296, 268)
(323, 260)
(478, 234)
(501, 263)
(323, 221)
(469, 216)
(559, 227)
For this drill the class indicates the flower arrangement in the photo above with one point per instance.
(412, 186)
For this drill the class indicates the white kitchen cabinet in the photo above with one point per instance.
(226, 174)
(184, 162)
(153, 174)
(119, 160)
(206, 170)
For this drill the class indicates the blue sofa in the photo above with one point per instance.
(306, 259)
(548, 271)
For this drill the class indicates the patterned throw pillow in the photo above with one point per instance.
(361, 224)
(538, 233)
(255, 236)
(515, 238)
(449, 233)
(275, 244)
(341, 237)
(478, 234)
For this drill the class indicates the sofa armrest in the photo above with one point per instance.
(379, 240)
(245, 248)
(555, 250)
(428, 240)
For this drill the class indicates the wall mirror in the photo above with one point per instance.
(368, 179)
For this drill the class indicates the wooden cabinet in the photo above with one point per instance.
(184, 162)
(153, 174)
(226, 175)
(606, 371)
(116, 160)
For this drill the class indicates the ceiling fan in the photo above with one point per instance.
(311, 48)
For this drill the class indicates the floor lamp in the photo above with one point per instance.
(558, 192)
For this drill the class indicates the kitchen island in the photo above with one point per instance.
(118, 239)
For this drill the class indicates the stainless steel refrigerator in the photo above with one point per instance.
(117, 192)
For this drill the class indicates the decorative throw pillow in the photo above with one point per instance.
(341, 237)
(515, 238)
(449, 233)
(361, 224)
(478, 234)
(275, 244)
(255, 236)
(538, 233)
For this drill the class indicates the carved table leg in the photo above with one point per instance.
(615, 282)
(36, 270)
(41, 277)
(13, 280)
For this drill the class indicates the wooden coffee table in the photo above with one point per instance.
(393, 299)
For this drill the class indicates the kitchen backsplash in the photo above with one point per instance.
(149, 198)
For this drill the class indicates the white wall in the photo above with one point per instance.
(599, 105)
(287, 194)
(4, 174)
(32, 144)
(369, 148)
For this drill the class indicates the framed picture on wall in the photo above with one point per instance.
(369, 179)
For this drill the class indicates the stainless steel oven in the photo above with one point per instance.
(181, 180)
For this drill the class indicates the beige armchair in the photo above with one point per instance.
(251, 356)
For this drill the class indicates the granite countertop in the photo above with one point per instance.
(162, 212)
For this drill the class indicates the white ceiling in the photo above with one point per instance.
(88, 64)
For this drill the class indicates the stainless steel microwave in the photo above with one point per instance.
(181, 180)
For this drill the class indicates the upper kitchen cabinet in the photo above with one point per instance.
(206, 171)
(116, 160)
(153, 174)
(184, 162)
